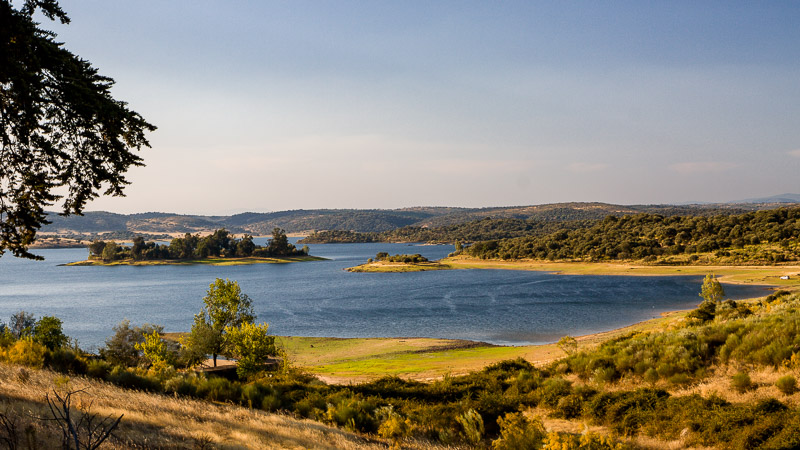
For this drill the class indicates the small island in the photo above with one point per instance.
(218, 248)
(383, 262)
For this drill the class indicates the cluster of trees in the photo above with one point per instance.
(224, 326)
(477, 230)
(415, 258)
(649, 236)
(220, 244)
(26, 340)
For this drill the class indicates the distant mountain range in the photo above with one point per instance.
(782, 198)
(378, 220)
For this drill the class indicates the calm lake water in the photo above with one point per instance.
(321, 299)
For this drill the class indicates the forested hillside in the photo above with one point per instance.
(415, 220)
(473, 231)
(761, 236)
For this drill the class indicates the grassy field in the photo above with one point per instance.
(343, 361)
(206, 261)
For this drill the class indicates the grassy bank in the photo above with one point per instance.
(206, 261)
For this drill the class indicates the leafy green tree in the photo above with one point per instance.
(96, 248)
(48, 332)
(137, 248)
(225, 306)
(279, 244)
(252, 345)
(712, 290)
(110, 251)
(61, 130)
(245, 247)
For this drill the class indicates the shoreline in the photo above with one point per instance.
(744, 274)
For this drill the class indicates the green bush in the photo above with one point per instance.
(787, 384)
(219, 390)
(98, 368)
(182, 385)
(741, 382)
(66, 360)
(519, 433)
(128, 379)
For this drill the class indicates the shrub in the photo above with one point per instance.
(518, 433)
(27, 353)
(569, 406)
(552, 389)
(219, 390)
(393, 425)
(181, 385)
(97, 368)
(252, 394)
(741, 382)
(66, 360)
(472, 424)
(679, 379)
(787, 384)
(128, 379)
(651, 375)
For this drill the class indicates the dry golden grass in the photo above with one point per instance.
(158, 421)
(763, 379)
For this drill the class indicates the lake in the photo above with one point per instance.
(321, 299)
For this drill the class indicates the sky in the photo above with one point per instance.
(268, 106)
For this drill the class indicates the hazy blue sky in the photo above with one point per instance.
(266, 106)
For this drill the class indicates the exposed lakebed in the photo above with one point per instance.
(319, 298)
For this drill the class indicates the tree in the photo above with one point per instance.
(96, 248)
(110, 251)
(137, 248)
(154, 349)
(246, 246)
(22, 324)
(47, 332)
(712, 290)
(225, 306)
(61, 131)
(120, 349)
(279, 244)
(252, 345)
